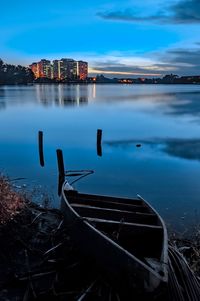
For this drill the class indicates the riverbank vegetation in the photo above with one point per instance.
(39, 261)
(10, 201)
(12, 74)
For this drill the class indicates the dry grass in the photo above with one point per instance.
(189, 247)
(10, 201)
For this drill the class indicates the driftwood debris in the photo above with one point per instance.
(38, 260)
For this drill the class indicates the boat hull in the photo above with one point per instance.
(122, 268)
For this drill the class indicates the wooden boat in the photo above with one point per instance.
(125, 237)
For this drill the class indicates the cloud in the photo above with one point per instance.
(186, 11)
(183, 12)
(188, 57)
(181, 61)
(122, 69)
(127, 15)
(128, 65)
(186, 61)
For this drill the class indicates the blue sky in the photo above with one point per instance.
(117, 38)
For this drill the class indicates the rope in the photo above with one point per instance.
(78, 173)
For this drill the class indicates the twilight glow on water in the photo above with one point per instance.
(164, 119)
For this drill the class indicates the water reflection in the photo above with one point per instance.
(177, 147)
(94, 91)
(2, 93)
(185, 104)
(168, 100)
(2, 101)
(172, 103)
(129, 116)
(183, 148)
(62, 95)
(2, 105)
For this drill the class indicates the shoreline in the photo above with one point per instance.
(39, 260)
(96, 83)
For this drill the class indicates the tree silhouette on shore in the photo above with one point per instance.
(12, 74)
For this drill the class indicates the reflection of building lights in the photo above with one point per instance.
(78, 95)
(60, 94)
(38, 93)
(94, 91)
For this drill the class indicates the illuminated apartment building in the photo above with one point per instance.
(34, 69)
(82, 70)
(64, 69)
(67, 69)
(41, 69)
(55, 69)
(44, 68)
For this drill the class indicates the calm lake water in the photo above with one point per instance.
(164, 119)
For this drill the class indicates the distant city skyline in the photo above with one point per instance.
(116, 38)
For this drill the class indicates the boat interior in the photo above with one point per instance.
(131, 223)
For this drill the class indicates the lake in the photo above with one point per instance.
(150, 141)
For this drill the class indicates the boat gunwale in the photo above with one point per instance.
(164, 256)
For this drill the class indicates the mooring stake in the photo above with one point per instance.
(61, 170)
(99, 138)
(40, 144)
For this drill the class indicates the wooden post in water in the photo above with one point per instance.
(40, 144)
(61, 170)
(99, 138)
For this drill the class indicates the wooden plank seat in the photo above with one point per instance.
(114, 214)
(125, 226)
(111, 205)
